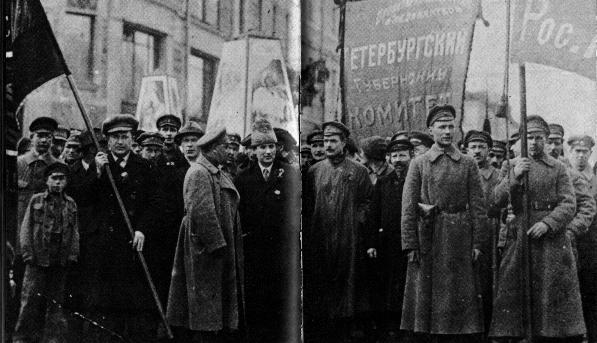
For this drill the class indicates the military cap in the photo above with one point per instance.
(168, 120)
(478, 136)
(74, 131)
(305, 148)
(418, 138)
(150, 139)
(123, 122)
(234, 138)
(537, 124)
(73, 140)
(403, 134)
(56, 167)
(331, 128)
(582, 141)
(499, 147)
(400, 145)
(556, 131)
(61, 133)
(285, 138)
(374, 147)
(315, 136)
(212, 136)
(43, 124)
(438, 112)
(190, 129)
(246, 142)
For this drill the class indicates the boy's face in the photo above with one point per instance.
(56, 182)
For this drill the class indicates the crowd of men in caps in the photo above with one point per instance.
(413, 238)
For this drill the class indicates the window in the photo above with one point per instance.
(251, 15)
(207, 11)
(77, 45)
(202, 77)
(141, 56)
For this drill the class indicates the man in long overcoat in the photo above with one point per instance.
(342, 192)
(384, 240)
(269, 198)
(555, 297)
(125, 299)
(443, 209)
(206, 294)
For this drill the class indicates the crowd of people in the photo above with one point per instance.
(213, 225)
(419, 238)
(409, 238)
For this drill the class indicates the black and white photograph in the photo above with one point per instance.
(285, 171)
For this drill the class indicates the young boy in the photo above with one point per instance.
(49, 241)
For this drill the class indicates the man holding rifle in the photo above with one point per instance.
(553, 310)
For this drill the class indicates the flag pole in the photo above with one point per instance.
(340, 48)
(528, 318)
(127, 220)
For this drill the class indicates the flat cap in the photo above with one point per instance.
(418, 138)
(234, 138)
(150, 139)
(285, 138)
(168, 120)
(305, 148)
(73, 140)
(536, 124)
(61, 133)
(246, 142)
(212, 136)
(43, 123)
(315, 136)
(400, 145)
(86, 140)
(440, 112)
(119, 123)
(190, 129)
(331, 128)
(374, 147)
(403, 134)
(584, 141)
(351, 146)
(556, 131)
(56, 167)
(499, 147)
(478, 136)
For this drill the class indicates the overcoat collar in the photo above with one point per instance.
(486, 172)
(208, 165)
(548, 160)
(33, 156)
(436, 152)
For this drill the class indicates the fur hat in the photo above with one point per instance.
(262, 133)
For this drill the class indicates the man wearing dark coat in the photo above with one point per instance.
(556, 310)
(384, 240)
(268, 195)
(443, 209)
(125, 300)
(342, 193)
(206, 289)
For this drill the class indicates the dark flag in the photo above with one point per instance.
(37, 57)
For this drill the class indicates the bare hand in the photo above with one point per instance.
(524, 165)
(101, 159)
(538, 230)
(372, 253)
(138, 240)
(413, 256)
(476, 254)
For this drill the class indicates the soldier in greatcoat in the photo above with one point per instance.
(384, 240)
(556, 312)
(206, 289)
(342, 192)
(443, 210)
(124, 300)
(269, 200)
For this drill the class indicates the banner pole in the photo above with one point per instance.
(127, 220)
(525, 209)
(342, 32)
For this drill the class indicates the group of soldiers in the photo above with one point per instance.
(214, 225)
(416, 238)
(411, 238)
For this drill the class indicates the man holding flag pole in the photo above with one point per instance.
(32, 34)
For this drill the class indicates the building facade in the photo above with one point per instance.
(109, 45)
